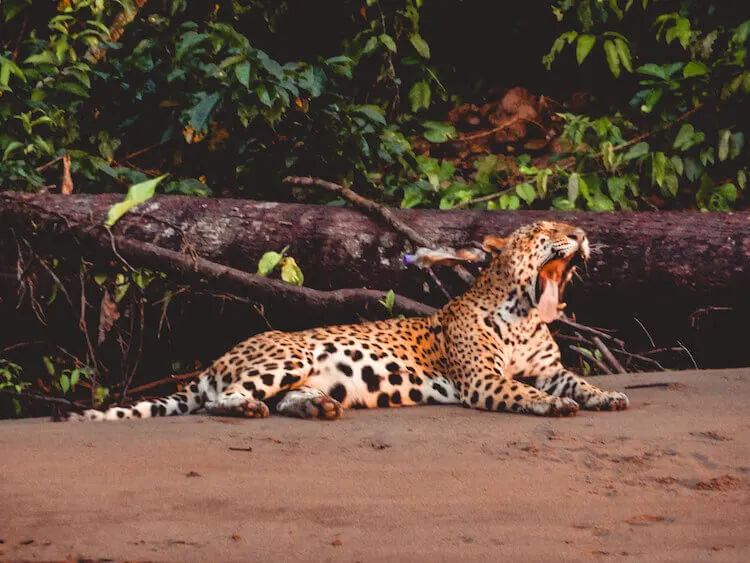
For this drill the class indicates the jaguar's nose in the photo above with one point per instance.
(579, 235)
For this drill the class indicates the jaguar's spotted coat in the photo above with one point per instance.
(488, 349)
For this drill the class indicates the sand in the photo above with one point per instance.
(667, 480)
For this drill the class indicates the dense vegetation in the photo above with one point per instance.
(642, 101)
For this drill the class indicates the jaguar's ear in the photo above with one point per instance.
(494, 245)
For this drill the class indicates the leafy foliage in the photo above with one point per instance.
(687, 99)
(213, 96)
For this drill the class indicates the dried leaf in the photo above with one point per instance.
(66, 187)
(108, 315)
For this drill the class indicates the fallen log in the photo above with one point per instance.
(340, 247)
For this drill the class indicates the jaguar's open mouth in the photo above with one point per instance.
(553, 277)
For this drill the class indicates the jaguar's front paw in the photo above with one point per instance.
(607, 401)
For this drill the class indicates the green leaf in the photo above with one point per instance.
(681, 31)
(242, 71)
(724, 144)
(658, 168)
(652, 70)
(563, 204)
(200, 113)
(677, 164)
(370, 46)
(291, 272)
(741, 179)
(413, 195)
(616, 188)
(728, 192)
(388, 41)
(736, 143)
(12, 146)
(189, 40)
(509, 201)
(623, 51)
(74, 377)
(526, 192)
(584, 45)
(437, 132)
(693, 169)
(420, 96)
(602, 203)
(49, 365)
(268, 262)
(373, 113)
(684, 138)
(613, 59)
(671, 184)
(137, 193)
(389, 301)
(694, 68)
(420, 45)
(64, 383)
(272, 66)
(573, 187)
(636, 151)
(73, 88)
(45, 57)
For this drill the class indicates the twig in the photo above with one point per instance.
(695, 316)
(606, 352)
(52, 162)
(643, 359)
(438, 283)
(139, 352)
(146, 149)
(380, 211)
(170, 379)
(42, 398)
(486, 198)
(83, 325)
(597, 332)
(663, 350)
(53, 275)
(114, 249)
(692, 359)
(500, 127)
(14, 57)
(363, 203)
(651, 340)
(593, 359)
(44, 343)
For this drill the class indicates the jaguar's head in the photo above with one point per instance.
(542, 257)
(554, 251)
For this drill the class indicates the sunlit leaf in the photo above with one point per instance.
(137, 193)
(584, 45)
(268, 262)
(420, 45)
(420, 96)
(291, 272)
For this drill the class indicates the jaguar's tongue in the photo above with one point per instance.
(549, 301)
